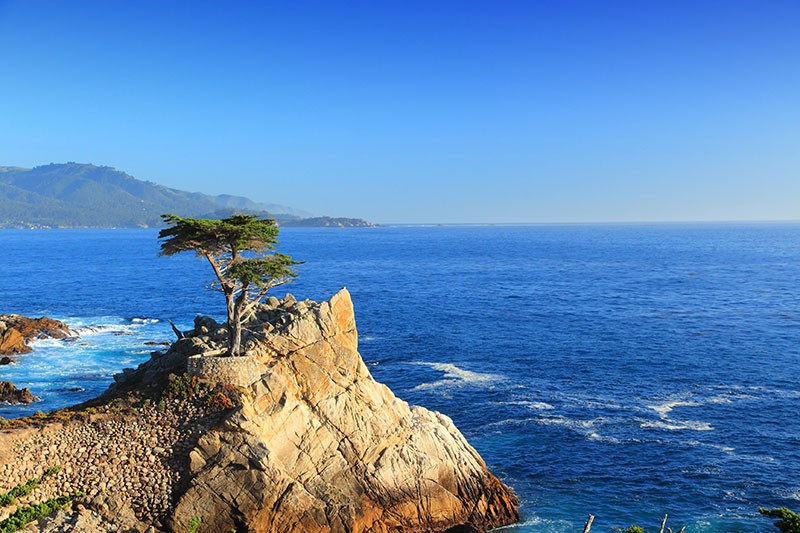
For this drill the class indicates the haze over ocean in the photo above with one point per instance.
(628, 371)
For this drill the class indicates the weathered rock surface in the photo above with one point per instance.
(11, 394)
(322, 446)
(17, 331)
(316, 446)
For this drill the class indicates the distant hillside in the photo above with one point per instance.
(79, 195)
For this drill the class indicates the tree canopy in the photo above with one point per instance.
(236, 248)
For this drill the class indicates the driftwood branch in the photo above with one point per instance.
(663, 524)
(178, 332)
(588, 525)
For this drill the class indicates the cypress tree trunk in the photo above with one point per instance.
(236, 333)
(233, 334)
(235, 322)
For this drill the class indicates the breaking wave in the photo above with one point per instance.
(455, 377)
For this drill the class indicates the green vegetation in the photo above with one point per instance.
(789, 521)
(235, 248)
(630, 529)
(23, 490)
(194, 523)
(25, 515)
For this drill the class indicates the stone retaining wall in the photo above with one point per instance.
(241, 371)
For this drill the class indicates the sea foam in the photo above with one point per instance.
(455, 377)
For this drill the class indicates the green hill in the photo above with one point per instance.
(80, 195)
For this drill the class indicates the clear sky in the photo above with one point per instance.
(430, 111)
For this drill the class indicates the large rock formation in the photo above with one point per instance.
(317, 445)
(322, 446)
(11, 394)
(17, 331)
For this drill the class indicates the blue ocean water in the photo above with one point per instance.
(627, 371)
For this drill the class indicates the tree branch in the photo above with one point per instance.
(588, 527)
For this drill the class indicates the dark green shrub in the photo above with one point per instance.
(789, 521)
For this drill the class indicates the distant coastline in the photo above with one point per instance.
(77, 195)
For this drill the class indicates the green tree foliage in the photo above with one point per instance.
(789, 521)
(237, 249)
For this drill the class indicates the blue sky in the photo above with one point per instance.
(469, 111)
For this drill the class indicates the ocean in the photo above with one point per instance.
(628, 371)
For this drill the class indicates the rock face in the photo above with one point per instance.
(16, 331)
(317, 445)
(11, 394)
(321, 446)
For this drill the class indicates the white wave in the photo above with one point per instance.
(590, 402)
(550, 525)
(539, 406)
(145, 320)
(677, 425)
(747, 391)
(720, 447)
(534, 406)
(455, 377)
(95, 329)
(603, 438)
(587, 428)
(509, 422)
(559, 420)
(791, 494)
(663, 409)
(47, 343)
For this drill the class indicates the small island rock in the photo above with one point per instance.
(17, 331)
(11, 394)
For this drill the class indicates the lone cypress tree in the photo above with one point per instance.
(236, 249)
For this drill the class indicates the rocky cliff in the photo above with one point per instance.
(316, 444)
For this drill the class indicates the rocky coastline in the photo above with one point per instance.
(304, 440)
(17, 331)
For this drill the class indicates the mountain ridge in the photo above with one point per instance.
(74, 195)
